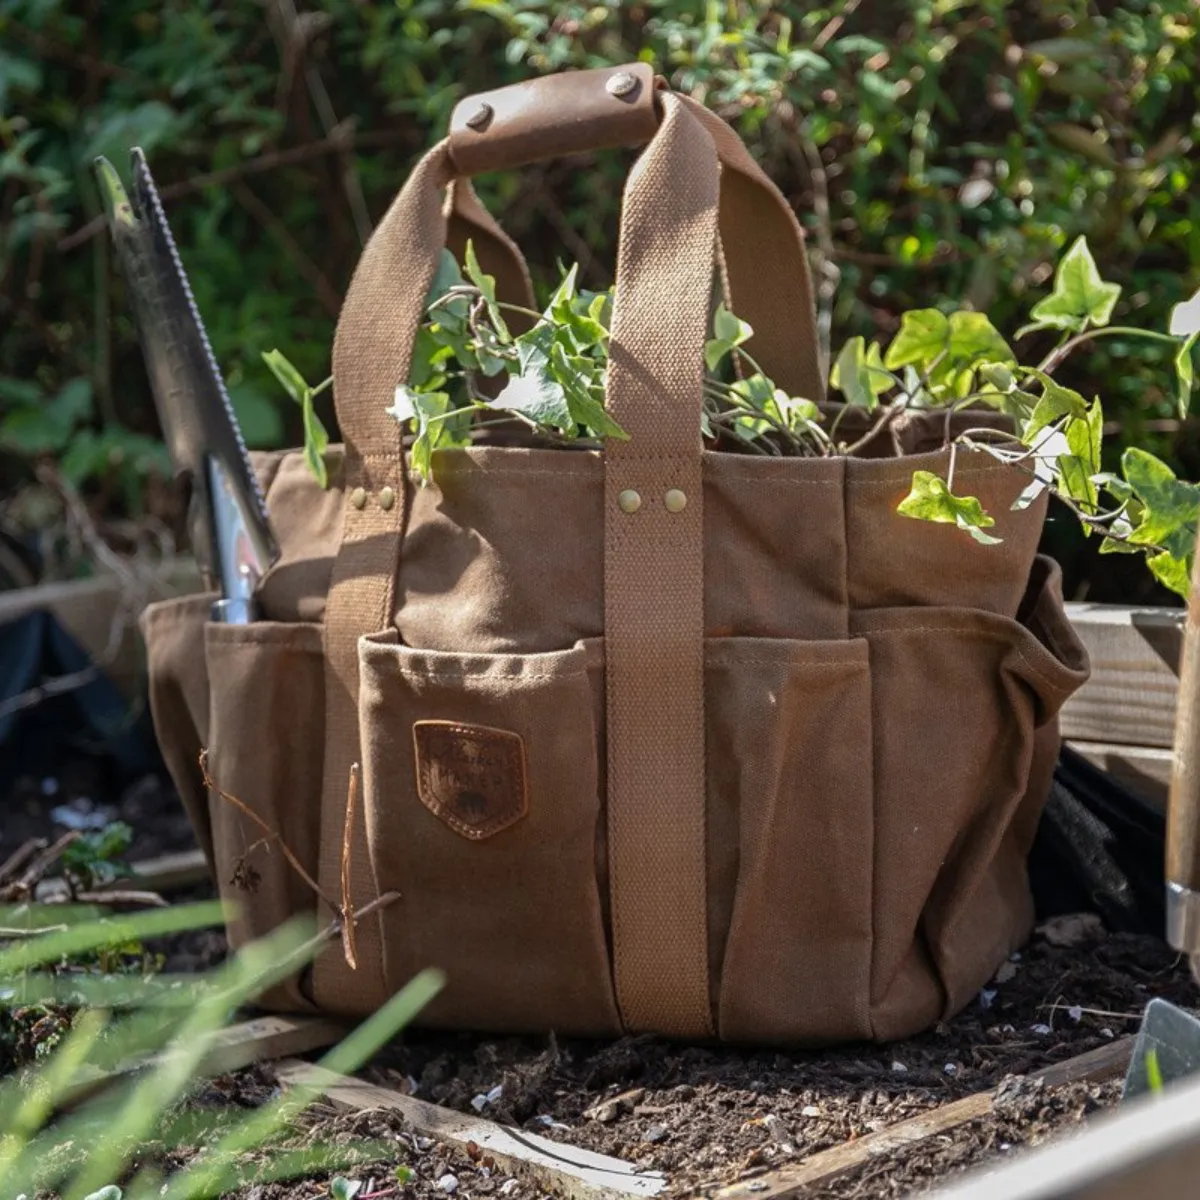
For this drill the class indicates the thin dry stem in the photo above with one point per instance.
(348, 945)
(271, 834)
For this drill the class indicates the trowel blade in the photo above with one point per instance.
(1167, 1048)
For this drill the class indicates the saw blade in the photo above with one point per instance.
(195, 412)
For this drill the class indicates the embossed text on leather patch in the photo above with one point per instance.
(471, 776)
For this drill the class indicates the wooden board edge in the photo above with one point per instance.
(1147, 1146)
(563, 1170)
(1104, 1062)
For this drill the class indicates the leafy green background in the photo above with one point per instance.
(939, 152)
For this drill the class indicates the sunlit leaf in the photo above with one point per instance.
(1185, 371)
(859, 374)
(487, 288)
(1185, 317)
(932, 500)
(1080, 297)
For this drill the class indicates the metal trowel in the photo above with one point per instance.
(1168, 1043)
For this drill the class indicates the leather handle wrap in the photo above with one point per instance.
(553, 116)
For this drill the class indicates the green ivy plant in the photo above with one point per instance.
(471, 373)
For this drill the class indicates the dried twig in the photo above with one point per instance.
(19, 857)
(153, 899)
(37, 869)
(348, 944)
(271, 834)
(342, 141)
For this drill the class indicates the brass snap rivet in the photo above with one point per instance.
(387, 498)
(621, 84)
(481, 118)
(675, 500)
(629, 501)
(358, 497)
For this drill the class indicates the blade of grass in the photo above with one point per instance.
(216, 1171)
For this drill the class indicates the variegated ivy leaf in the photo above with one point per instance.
(859, 373)
(1080, 297)
(728, 332)
(932, 500)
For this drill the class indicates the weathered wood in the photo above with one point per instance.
(1105, 1062)
(1143, 769)
(170, 872)
(88, 609)
(167, 873)
(550, 1166)
(1130, 697)
(1147, 1147)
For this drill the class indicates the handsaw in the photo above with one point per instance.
(230, 532)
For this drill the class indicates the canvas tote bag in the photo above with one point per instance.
(652, 738)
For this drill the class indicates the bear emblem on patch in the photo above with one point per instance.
(472, 777)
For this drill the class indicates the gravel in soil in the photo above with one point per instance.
(708, 1116)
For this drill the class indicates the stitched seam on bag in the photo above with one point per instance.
(463, 676)
(785, 661)
(994, 635)
(893, 481)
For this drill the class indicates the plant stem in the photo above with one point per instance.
(1059, 353)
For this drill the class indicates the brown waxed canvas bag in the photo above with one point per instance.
(761, 761)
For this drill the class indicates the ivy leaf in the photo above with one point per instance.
(1055, 402)
(585, 408)
(341, 1188)
(1186, 372)
(859, 373)
(924, 334)
(293, 382)
(932, 500)
(1185, 317)
(1078, 468)
(431, 410)
(1080, 297)
(1048, 448)
(487, 289)
(1170, 507)
(535, 393)
(948, 349)
(1171, 572)
(316, 441)
(728, 332)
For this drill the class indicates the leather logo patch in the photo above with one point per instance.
(471, 776)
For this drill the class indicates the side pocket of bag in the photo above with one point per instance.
(173, 631)
(789, 784)
(960, 700)
(482, 801)
(266, 749)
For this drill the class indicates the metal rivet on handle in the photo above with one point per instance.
(387, 498)
(481, 118)
(358, 497)
(675, 500)
(621, 84)
(629, 501)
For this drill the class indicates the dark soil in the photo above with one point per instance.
(710, 1116)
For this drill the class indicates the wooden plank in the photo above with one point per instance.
(169, 872)
(1143, 769)
(550, 1166)
(1105, 1062)
(1130, 697)
(1148, 1146)
(88, 609)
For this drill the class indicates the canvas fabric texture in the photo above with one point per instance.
(764, 769)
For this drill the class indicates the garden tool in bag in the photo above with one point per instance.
(650, 737)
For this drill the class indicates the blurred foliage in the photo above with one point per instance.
(940, 153)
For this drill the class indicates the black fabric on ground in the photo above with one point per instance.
(92, 721)
(1099, 848)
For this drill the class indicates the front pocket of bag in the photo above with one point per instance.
(789, 787)
(959, 697)
(265, 751)
(482, 802)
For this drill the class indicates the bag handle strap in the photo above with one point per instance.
(767, 278)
